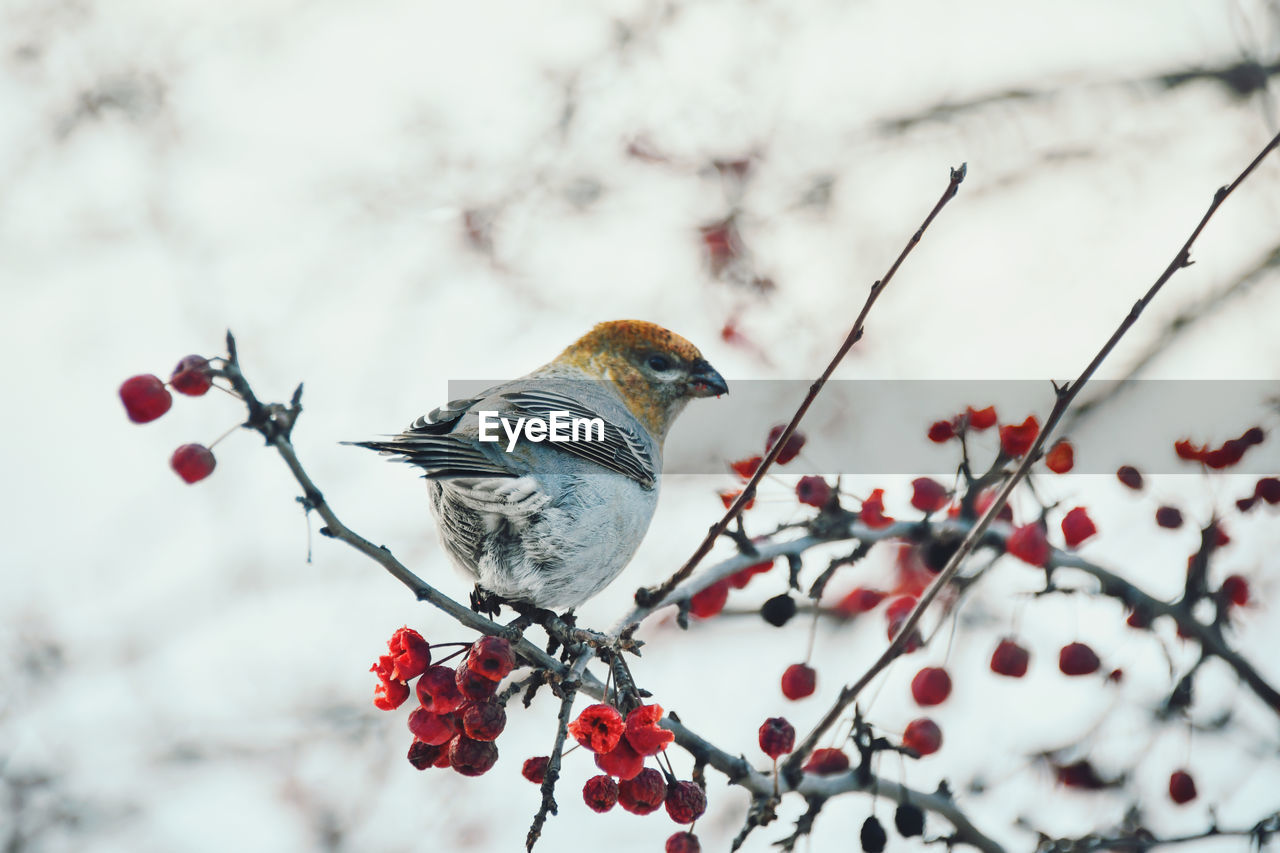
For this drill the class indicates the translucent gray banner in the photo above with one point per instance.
(880, 427)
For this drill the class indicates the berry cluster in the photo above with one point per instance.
(458, 717)
(146, 398)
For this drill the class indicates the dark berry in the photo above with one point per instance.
(1182, 788)
(1010, 659)
(535, 769)
(685, 801)
(909, 819)
(872, 836)
(644, 793)
(777, 737)
(1077, 659)
(471, 757)
(600, 793)
(778, 610)
(484, 720)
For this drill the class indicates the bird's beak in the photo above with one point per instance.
(705, 381)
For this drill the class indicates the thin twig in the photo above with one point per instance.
(646, 597)
(1064, 398)
(548, 805)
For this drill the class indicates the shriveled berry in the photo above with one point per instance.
(909, 819)
(644, 793)
(777, 737)
(1029, 544)
(685, 801)
(941, 431)
(491, 657)
(438, 690)
(1016, 439)
(472, 757)
(434, 729)
(1061, 458)
(535, 769)
(710, 601)
(931, 686)
(981, 419)
(424, 755)
(860, 600)
(389, 695)
(798, 681)
(827, 762)
(410, 654)
(1077, 526)
(484, 720)
(872, 512)
(778, 610)
(683, 842)
(922, 736)
(623, 761)
(145, 398)
(813, 491)
(1129, 476)
(643, 732)
(928, 495)
(1235, 589)
(1169, 517)
(872, 836)
(192, 462)
(473, 685)
(599, 728)
(1182, 788)
(191, 376)
(1078, 659)
(789, 450)
(600, 793)
(1010, 659)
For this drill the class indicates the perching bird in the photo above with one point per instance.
(545, 522)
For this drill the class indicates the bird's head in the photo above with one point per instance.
(655, 370)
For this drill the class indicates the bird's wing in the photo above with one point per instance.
(432, 445)
(620, 450)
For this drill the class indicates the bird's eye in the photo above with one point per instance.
(658, 363)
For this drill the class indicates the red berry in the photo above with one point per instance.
(484, 720)
(535, 769)
(1079, 774)
(1016, 440)
(623, 762)
(644, 793)
(643, 732)
(860, 600)
(410, 654)
(1182, 788)
(1228, 454)
(922, 736)
(928, 495)
(813, 491)
(685, 801)
(827, 762)
(872, 513)
(941, 431)
(145, 398)
(1010, 659)
(1130, 476)
(491, 657)
(424, 755)
(600, 793)
(683, 842)
(1061, 458)
(192, 462)
(931, 686)
(1268, 489)
(1028, 543)
(598, 728)
(1077, 659)
(1115, 676)
(798, 681)
(471, 757)
(745, 468)
(710, 601)
(790, 449)
(777, 737)
(438, 690)
(740, 578)
(434, 729)
(1077, 527)
(981, 419)
(191, 376)
(1168, 516)
(473, 685)
(1236, 590)
(389, 695)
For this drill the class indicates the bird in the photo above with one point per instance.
(550, 523)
